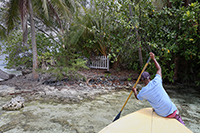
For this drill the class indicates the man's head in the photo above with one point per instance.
(145, 77)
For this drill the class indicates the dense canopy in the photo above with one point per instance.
(123, 30)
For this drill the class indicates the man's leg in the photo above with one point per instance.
(178, 117)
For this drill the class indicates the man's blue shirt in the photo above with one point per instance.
(157, 97)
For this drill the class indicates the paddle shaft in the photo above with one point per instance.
(136, 83)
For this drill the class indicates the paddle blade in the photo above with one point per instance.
(117, 117)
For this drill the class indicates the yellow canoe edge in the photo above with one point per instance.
(145, 121)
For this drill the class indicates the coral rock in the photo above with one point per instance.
(15, 104)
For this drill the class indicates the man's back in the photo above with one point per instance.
(157, 97)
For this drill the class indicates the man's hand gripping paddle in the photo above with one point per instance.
(118, 116)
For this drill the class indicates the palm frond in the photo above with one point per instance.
(44, 5)
(2, 32)
(12, 14)
(65, 8)
(59, 13)
(55, 13)
(23, 4)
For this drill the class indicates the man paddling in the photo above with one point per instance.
(155, 94)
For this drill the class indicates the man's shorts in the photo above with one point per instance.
(176, 115)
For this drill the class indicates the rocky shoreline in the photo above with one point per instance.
(80, 105)
(65, 91)
(67, 94)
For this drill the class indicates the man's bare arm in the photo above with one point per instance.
(135, 92)
(156, 64)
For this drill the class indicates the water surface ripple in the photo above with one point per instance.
(90, 116)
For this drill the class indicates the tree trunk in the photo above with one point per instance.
(138, 39)
(186, 3)
(5, 76)
(24, 17)
(140, 56)
(175, 78)
(33, 41)
(25, 33)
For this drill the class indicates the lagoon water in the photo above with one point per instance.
(90, 116)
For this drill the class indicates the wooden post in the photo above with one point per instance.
(107, 63)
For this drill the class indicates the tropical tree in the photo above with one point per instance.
(175, 40)
(33, 41)
(16, 7)
(114, 28)
(131, 9)
(2, 23)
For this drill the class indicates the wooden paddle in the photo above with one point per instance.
(118, 116)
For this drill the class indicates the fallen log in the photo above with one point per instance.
(5, 76)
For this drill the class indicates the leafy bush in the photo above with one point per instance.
(66, 62)
(176, 41)
(171, 33)
(17, 55)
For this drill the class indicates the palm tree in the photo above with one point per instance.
(33, 41)
(20, 7)
(2, 26)
(12, 16)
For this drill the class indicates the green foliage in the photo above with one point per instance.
(176, 37)
(2, 32)
(171, 33)
(117, 29)
(17, 54)
(2, 27)
(66, 62)
(107, 75)
(129, 79)
(108, 31)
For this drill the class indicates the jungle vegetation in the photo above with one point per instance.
(58, 34)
